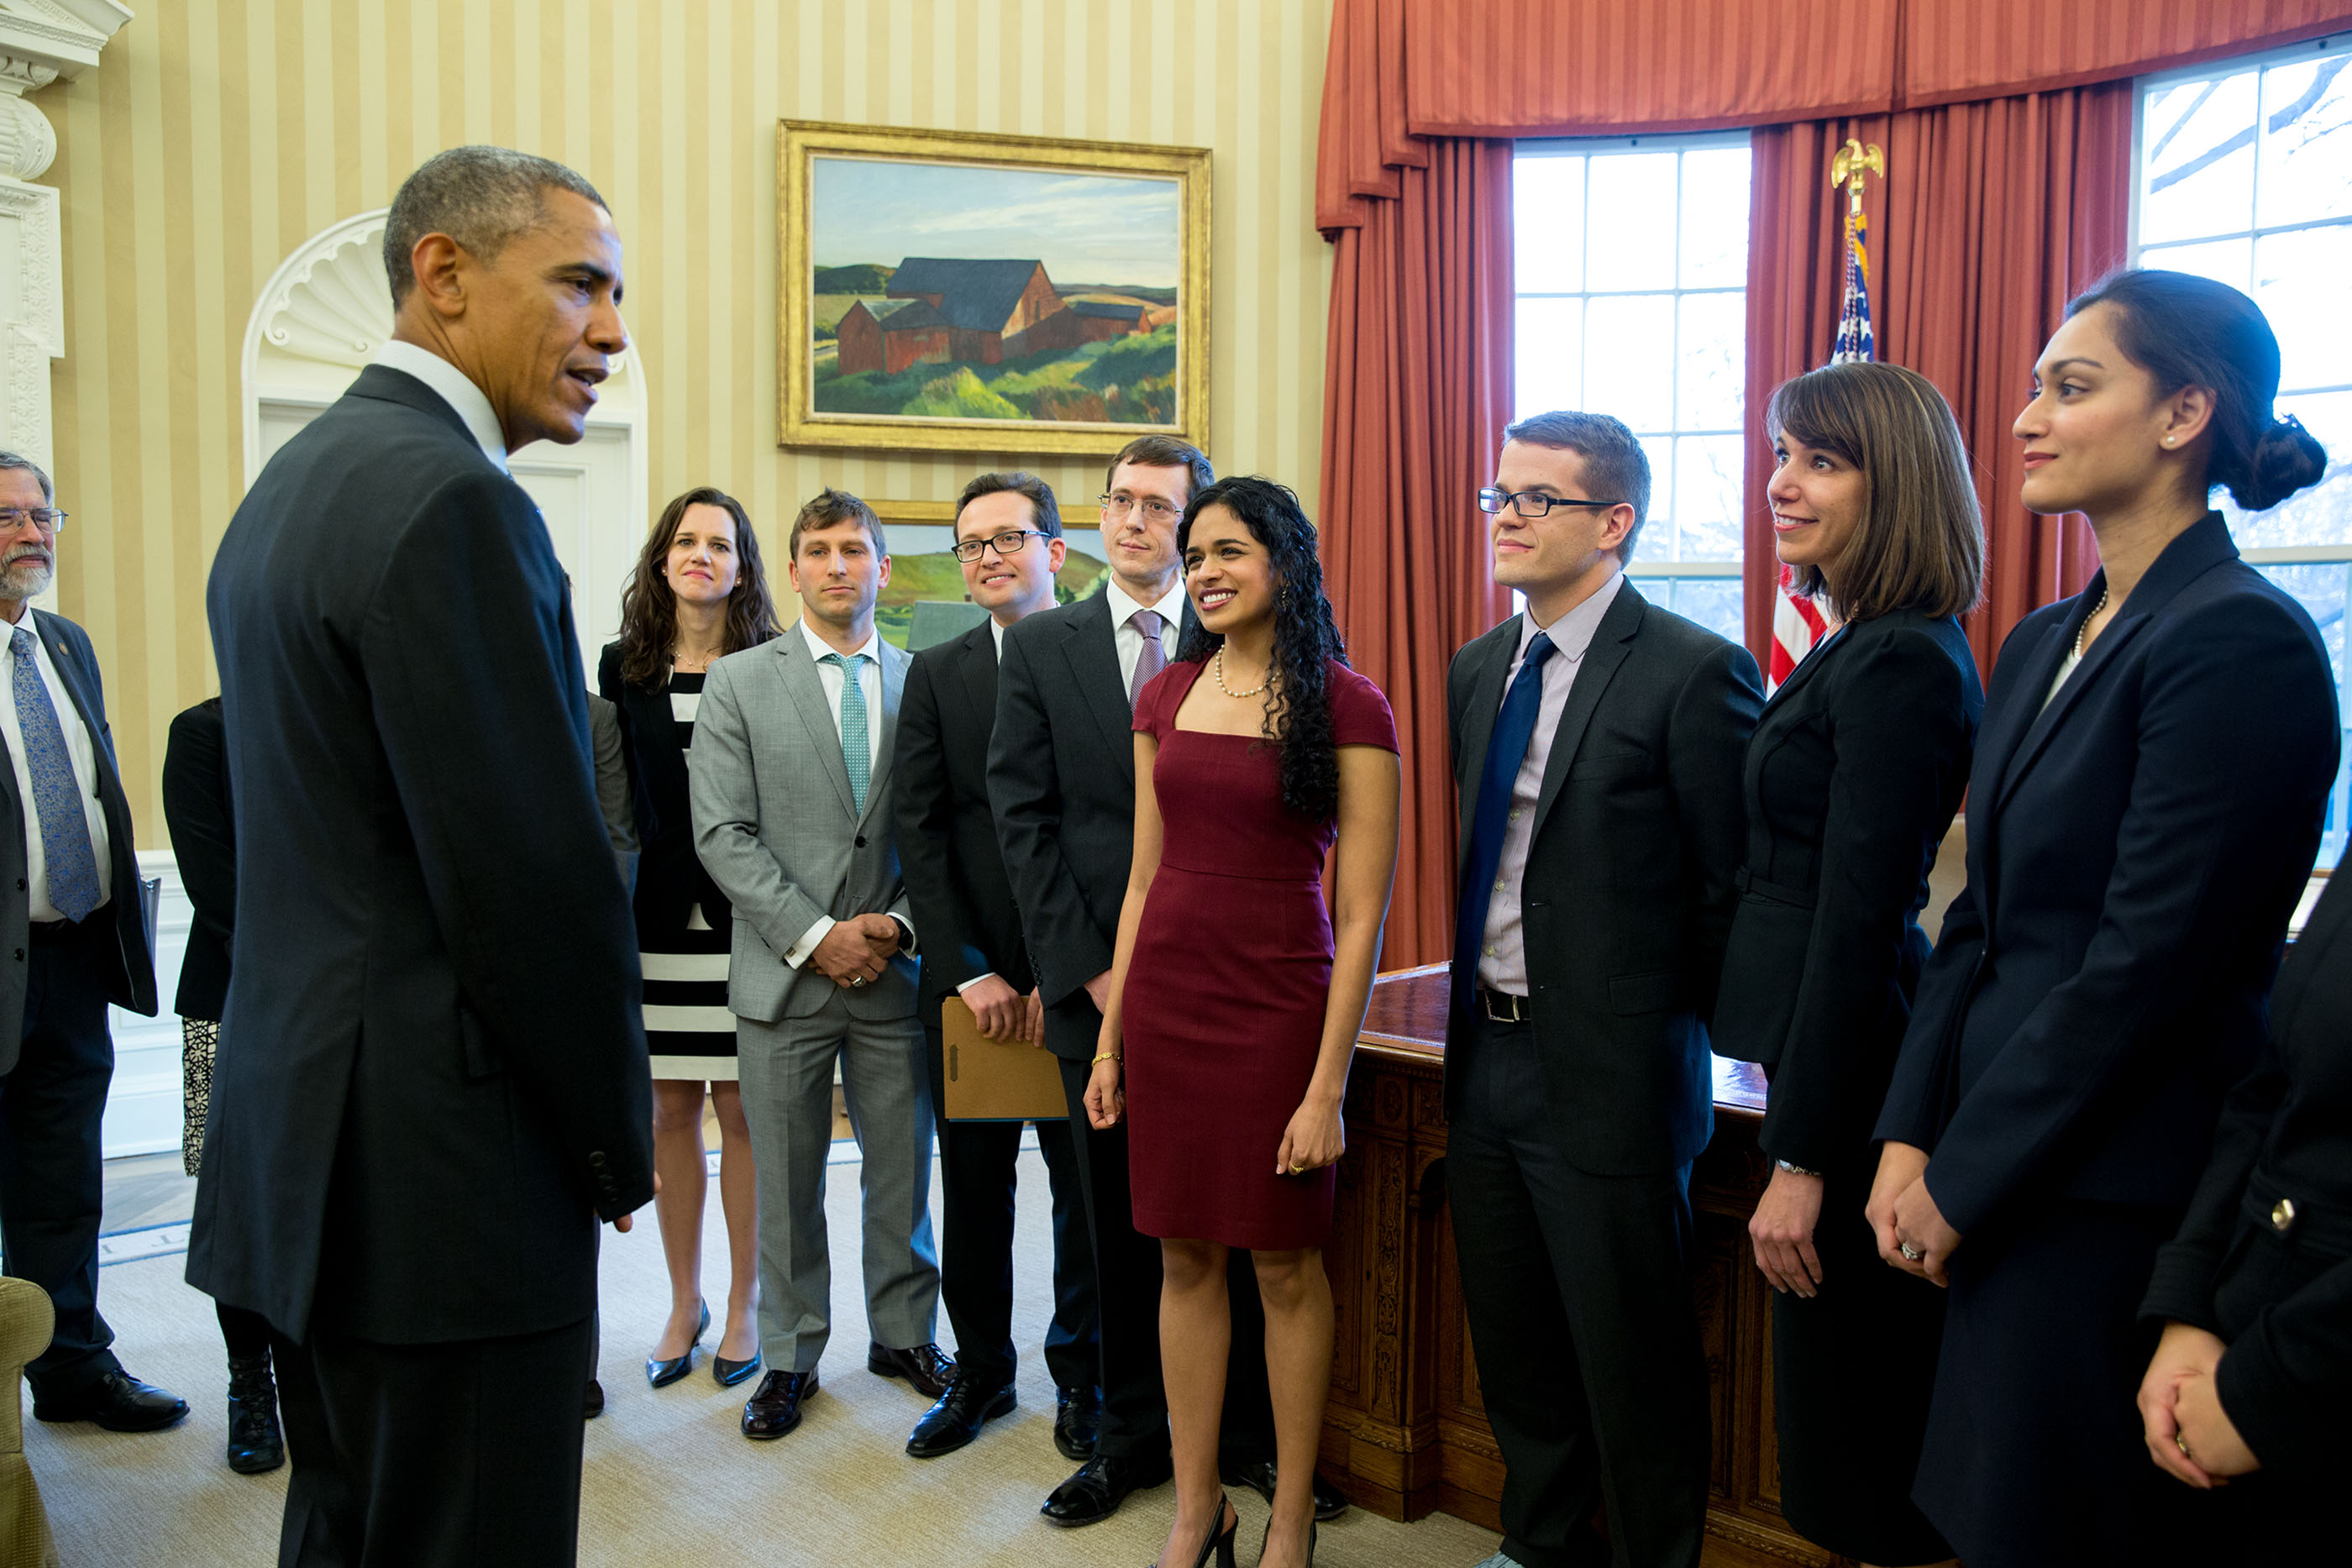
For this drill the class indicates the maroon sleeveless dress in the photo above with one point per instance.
(1223, 1014)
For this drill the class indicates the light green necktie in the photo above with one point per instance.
(856, 755)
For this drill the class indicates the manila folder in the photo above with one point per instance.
(995, 1080)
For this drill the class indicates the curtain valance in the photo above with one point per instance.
(1401, 71)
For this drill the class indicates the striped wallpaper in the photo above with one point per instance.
(216, 135)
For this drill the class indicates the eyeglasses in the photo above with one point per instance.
(1155, 510)
(1528, 504)
(48, 519)
(1012, 543)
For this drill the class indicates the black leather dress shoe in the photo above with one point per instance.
(592, 1402)
(1078, 1416)
(1257, 1475)
(924, 1365)
(775, 1409)
(957, 1418)
(1100, 1485)
(116, 1401)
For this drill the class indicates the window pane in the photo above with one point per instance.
(2306, 164)
(2302, 286)
(1547, 223)
(2199, 159)
(2230, 261)
(1656, 539)
(1629, 360)
(1634, 206)
(1713, 374)
(1713, 602)
(1549, 355)
(1707, 488)
(1715, 218)
(2321, 590)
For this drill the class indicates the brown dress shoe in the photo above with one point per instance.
(775, 1409)
(924, 1365)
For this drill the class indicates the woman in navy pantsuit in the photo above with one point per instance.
(2143, 811)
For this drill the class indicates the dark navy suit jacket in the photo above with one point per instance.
(2135, 850)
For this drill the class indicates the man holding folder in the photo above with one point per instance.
(1009, 542)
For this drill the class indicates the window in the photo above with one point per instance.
(2246, 175)
(1632, 256)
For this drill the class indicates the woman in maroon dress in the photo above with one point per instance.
(1233, 1011)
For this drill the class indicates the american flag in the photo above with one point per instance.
(1798, 623)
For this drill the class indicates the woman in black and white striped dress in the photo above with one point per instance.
(697, 593)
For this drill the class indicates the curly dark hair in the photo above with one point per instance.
(1306, 639)
(649, 607)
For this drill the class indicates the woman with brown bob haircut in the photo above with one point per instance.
(697, 593)
(1851, 777)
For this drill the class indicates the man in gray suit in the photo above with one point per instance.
(791, 786)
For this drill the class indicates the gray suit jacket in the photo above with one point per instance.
(126, 966)
(776, 830)
(612, 786)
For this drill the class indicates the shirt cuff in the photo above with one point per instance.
(965, 989)
(798, 952)
(906, 935)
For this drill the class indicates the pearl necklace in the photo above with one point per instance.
(2096, 611)
(1218, 665)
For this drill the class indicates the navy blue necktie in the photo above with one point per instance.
(1507, 749)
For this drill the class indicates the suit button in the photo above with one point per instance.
(20, 884)
(861, 840)
(2283, 1216)
(20, 955)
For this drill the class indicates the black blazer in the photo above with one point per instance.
(1628, 894)
(2265, 1259)
(2135, 848)
(948, 850)
(196, 812)
(125, 964)
(1061, 784)
(1851, 777)
(438, 1079)
(670, 878)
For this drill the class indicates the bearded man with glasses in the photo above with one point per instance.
(73, 937)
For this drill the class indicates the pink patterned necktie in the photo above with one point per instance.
(1155, 657)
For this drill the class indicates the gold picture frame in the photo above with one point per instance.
(1081, 366)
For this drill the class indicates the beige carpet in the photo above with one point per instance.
(670, 1482)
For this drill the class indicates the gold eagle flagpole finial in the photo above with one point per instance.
(1853, 161)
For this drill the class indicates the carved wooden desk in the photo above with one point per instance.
(1406, 1430)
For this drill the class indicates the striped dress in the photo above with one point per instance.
(688, 1030)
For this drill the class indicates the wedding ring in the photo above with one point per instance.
(1910, 1251)
(856, 980)
(1296, 1169)
(2181, 1443)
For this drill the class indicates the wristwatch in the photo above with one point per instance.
(1795, 1169)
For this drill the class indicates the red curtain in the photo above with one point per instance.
(1960, 50)
(1991, 216)
(1416, 392)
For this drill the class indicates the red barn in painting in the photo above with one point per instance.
(889, 335)
(982, 302)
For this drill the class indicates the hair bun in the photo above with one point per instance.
(2286, 458)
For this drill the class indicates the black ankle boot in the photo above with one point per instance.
(254, 1442)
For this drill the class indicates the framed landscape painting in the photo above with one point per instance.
(948, 291)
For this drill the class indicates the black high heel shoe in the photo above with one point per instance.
(662, 1373)
(1221, 1537)
(1269, 1536)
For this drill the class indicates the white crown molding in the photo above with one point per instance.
(61, 37)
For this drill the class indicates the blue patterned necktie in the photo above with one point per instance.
(855, 751)
(72, 861)
(1515, 726)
